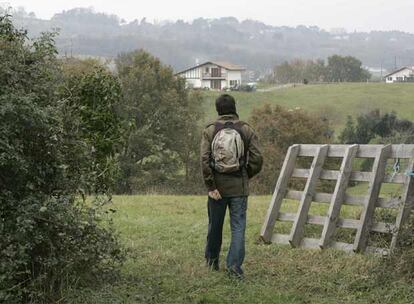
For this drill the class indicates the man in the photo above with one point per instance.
(230, 156)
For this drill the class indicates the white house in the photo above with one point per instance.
(213, 75)
(405, 74)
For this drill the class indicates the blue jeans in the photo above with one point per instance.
(216, 214)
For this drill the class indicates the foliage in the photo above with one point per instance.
(277, 129)
(188, 147)
(347, 135)
(374, 126)
(346, 69)
(250, 43)
(20, 66)
(53, 245)
(298, 71)
(86, 17)
(338, 69)
(94, 96)
(165, 124)
(49, 239)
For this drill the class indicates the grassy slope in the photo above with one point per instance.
(337, 100)
(166, 236)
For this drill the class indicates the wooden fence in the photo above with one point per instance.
(368, 203)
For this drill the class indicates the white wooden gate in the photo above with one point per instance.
(368, 203)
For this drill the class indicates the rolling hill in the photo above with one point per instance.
(335, 101)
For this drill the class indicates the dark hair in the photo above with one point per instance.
(226, 104)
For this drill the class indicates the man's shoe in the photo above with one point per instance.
(213, 265)
(236, 273)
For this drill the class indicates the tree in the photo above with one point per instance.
(95, 98)
(249, 43)
(298, 71)
(282, 73)
(316, 71)
(277, 129)
(348, 135)
(164, 123)
(188, 146)
(346, 69)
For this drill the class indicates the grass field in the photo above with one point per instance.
(166, 237)
(335, 100)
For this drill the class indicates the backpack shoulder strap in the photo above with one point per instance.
(218, 126)
(209, 125)
(238, 126)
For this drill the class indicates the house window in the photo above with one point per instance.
(390, 78)
(233, 83)
(215, 72)
(207, 70)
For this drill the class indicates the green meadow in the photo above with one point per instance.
(165, 237)
(337, 101)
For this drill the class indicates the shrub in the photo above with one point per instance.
(277, 129)
(50, 239)
(53, 244)
(386, 128)
(94, 97)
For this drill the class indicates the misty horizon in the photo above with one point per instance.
(250, 42)
(365, 17)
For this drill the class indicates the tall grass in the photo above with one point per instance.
(166, 236)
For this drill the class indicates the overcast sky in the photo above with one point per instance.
(350, 14)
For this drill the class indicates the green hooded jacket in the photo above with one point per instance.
(234, 184)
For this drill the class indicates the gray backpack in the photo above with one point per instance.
(228, 147)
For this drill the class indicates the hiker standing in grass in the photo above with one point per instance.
(230, 156)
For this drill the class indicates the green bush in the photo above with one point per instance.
(53, 244)
(277, 129)
(375, 127)
(94, 97)
(50, 239)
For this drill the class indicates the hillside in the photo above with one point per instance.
(335, 101)
(254, 44)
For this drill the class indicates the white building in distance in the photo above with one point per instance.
(213, 75)
(405, 74)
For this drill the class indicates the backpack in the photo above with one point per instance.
(228, 149)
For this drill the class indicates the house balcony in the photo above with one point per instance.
(215, 76)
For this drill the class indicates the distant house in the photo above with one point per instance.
(213, 75)
(405, 74)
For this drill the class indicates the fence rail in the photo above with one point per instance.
(332, 220)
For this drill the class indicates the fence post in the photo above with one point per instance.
(279, 193)
(338, 196)
(378, 171)
(308, 192)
